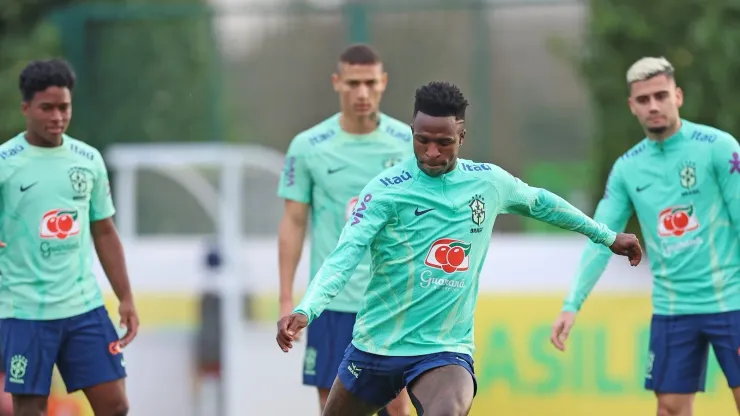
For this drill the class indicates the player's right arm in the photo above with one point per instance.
(295, 187)
(614, 210)
(372, 212)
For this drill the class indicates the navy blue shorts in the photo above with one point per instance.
(327, 338)
(378, 379)
(679, 350)
(84, 348)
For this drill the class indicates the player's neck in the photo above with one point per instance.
(659, 137)
(37, 141)
(358, 125)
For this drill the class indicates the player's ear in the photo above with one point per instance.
(679, 97)
(462, 136)
(24, 107)
(384, 80)
(336, 81)
(411, 126)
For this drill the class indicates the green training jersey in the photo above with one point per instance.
(327, 168)
(48, 197)
(686, 193)
(428, 238)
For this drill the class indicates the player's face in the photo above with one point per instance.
(655, 103)
(437, 141)
(360, 88)
(48, 113)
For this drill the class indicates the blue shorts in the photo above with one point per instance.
(84, 348)
(679, 349)
(327, 338)
(378, 379)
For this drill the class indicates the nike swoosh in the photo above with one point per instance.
(330, 171)
(640, 189)
(25, 188)
(417, 212)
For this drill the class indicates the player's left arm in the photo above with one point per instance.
(726, 163)
(519, 198)
(371, 214)
(110, 249)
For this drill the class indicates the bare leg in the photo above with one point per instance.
(108, 399)
(342, 403)
(400, 406)
(736, 394)
(443, 391)
(27, 405)
(670, 404)
(323, 396)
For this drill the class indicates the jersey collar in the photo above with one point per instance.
(683, 132)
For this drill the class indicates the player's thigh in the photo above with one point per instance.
(90, 356)
(400, 406)
(326, 341)
(677, 356)
(723, 332)
(442, 384)
(342, 402)
(29, 349)
(372, 379)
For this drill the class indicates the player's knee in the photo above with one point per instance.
(674, 405)
(398, 407)
(24, 405)
(120, 408)
(453, 407)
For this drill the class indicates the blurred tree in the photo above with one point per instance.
(22, 38)
(699, 37)
(142, 75)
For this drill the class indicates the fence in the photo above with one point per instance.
(259, 73)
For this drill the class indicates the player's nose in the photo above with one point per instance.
(432, 151)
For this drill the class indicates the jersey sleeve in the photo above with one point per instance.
(371, 213)
(614, 210)
(295, 182)
(726, 162)
(101, 200)
(516, 197)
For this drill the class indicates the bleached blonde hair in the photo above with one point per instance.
(648, 67)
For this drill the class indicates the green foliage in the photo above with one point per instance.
(143, 76)
(23, 37)
(699, 37)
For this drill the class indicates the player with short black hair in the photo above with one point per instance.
(326, 168)
(54, 201)
(427, 223)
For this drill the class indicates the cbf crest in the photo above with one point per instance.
(81, 180)
(687, 178)
(477, 212)
(687, 174)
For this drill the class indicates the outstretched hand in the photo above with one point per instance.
(288, 329)
(628, 245)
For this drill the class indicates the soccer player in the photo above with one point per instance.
(428, 223)
(54, 201)
(326, 168)
(683, 181)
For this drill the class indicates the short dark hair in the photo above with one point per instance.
(39, 75)
(359, 54)
(440, 99)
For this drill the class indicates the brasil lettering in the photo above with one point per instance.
(529, 366)
(476, 167)
(361, 206)
(395, 180)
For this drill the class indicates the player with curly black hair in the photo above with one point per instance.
(56, 202)
(428, 224)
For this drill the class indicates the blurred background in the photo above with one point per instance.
(194, 102)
